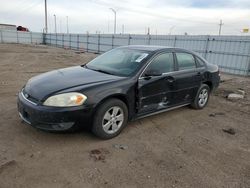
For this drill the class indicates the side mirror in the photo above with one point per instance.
(152, 72)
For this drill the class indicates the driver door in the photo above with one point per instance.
(156, 84)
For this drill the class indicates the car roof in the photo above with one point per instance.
(146, 47)
(152, 48)
(149, 48)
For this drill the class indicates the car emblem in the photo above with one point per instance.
(26, 95)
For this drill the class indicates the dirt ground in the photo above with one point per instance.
(180, 148)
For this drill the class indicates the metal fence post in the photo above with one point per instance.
(56, 39)
(149, 38)
(77, 41)
(98, 43)
(17, 40)
(69, 41)
(63, 40)
(87, 42)
(175, 38)
(248, 71)
(1, 36)
(44, 38)
(112, 42)
(129, 37)
(206, 47)
(31, 37)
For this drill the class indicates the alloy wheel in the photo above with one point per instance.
(113, 120)
(203, 97)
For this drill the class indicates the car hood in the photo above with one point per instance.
(43, 85)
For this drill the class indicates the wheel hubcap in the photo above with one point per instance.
(113, 120)
(203, 96)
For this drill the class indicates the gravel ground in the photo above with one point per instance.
(180, 148)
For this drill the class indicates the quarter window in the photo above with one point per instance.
(200, 63)
(185, 61)
(163, 63)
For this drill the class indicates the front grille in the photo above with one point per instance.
(29, 98)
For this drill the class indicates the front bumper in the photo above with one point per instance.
(52, 118)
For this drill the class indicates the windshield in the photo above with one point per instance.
(121, 62)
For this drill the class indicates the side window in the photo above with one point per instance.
(163, 63)
(200, 63)
(185, 61)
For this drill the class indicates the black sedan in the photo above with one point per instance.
(118, 86)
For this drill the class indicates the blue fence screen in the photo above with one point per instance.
(230, 53)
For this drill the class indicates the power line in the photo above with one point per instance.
(149, 13)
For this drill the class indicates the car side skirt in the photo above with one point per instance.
(160, 111)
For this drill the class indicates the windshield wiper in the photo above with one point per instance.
(98, 70)
(103, 71)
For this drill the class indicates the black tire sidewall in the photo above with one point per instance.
(97, 128)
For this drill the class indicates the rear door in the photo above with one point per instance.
(155, 92)
(188, 77)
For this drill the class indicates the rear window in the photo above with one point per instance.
(185, 61)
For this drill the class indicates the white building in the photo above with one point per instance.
(7, 27)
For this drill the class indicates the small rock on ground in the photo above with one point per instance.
(229, 131)
(241, 92)
(120, 146)
(7, 164)
(234, 96)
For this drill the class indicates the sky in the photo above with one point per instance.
(194, 17)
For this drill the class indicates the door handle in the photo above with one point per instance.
(170, 79)
(198, 74)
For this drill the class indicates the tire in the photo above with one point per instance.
(110, 118)
(202, 97)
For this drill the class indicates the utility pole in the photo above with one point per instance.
(148, 31)
(114, 11)
(108, 27)
(46, 19)
(60, 26)
(55, 22)
(220, 26)
(171, 29)
(122, 28)
(67, 25)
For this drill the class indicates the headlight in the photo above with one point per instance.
(66, 100)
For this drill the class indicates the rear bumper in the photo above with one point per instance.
(52, 118)
(215, 80)
(216, 84)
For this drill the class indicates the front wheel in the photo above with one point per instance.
(202, 97)
(110, 118)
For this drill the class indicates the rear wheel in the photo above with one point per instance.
(202, 97)
(110, 118)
